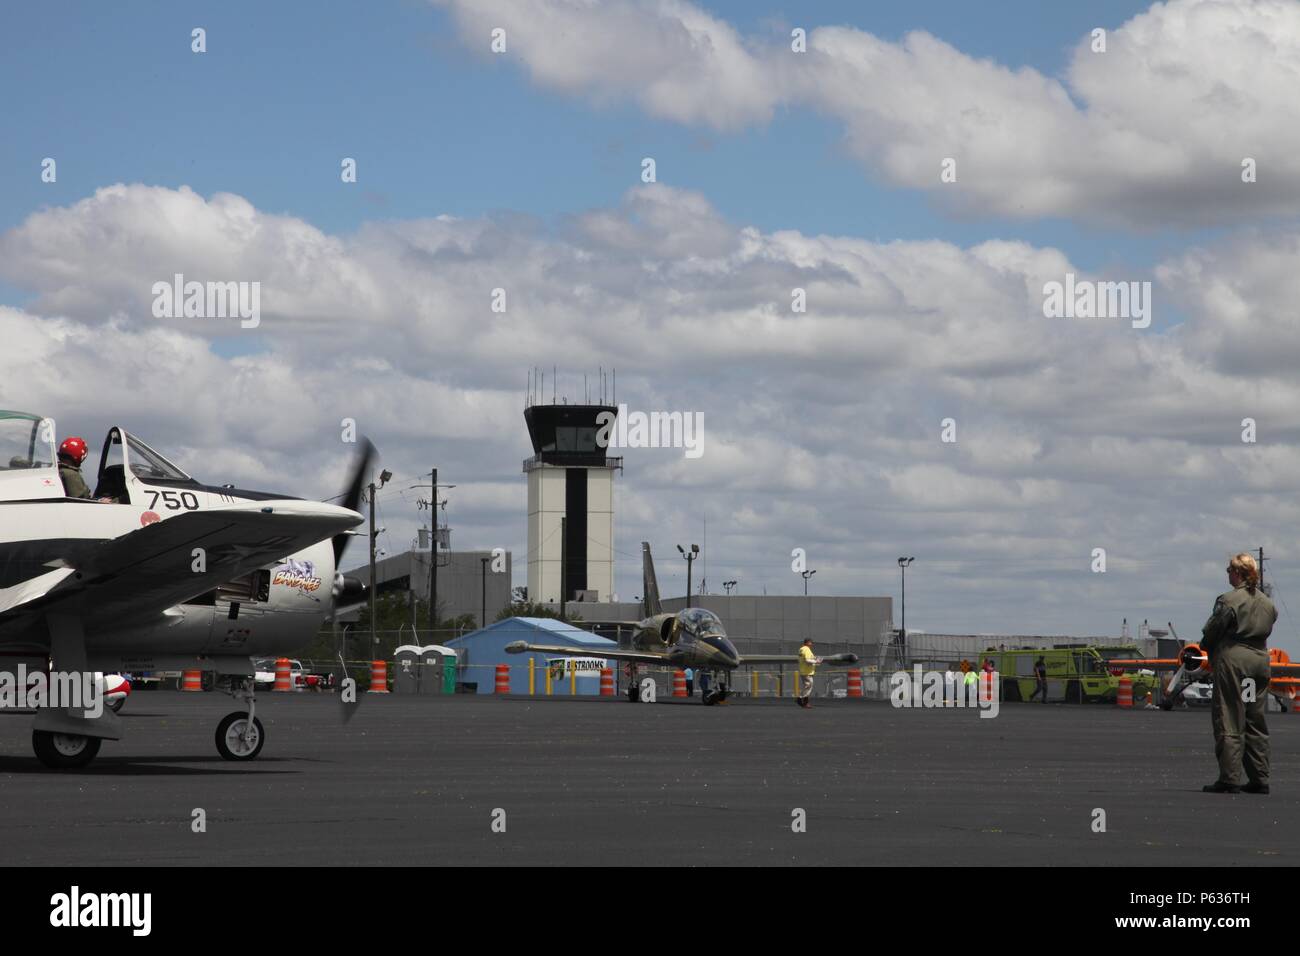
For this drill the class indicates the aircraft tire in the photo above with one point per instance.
(229, 744)
(64, 751)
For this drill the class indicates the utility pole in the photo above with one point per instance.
(432, 505)
(564, 568)
(483, 620)
(1261, 570)
(433, 556)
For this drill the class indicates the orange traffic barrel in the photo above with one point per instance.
(503, 679)
(379, 677)
(679, 683)
(607, 682)
(855, 683)
(1125, 696)
(193, 680)
(283, 674)
(986, 687)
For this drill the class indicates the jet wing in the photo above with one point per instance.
(142, 573)
(832, 659)
(616, 654)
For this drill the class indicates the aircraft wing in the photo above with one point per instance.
(1151, 664)
(615, 654)
(832, 659)
(1168, 664)
(140, 574)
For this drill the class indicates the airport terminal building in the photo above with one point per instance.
(462, 580)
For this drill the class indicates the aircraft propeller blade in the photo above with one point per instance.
(352, 497)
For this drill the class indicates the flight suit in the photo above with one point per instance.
(74, 486)
(1236, 638)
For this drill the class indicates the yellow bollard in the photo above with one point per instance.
(548, 680)
(532, 676)
(753, 683)
(573, 680)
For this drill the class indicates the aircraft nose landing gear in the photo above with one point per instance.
(238, 738)
(719, 688)
(240, 735)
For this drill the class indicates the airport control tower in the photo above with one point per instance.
(570, 487)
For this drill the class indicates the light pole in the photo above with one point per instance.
(690, 560)
(483, 620)
(806, 576)
(383, 480)
(902, 630)
(727, 586)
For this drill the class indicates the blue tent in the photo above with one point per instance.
(480, 651)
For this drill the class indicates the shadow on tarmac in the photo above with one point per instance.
(149, 766)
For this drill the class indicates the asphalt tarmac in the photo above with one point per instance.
(589, 781)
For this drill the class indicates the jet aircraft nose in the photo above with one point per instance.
(727, 654)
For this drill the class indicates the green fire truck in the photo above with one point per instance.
(1076, 673)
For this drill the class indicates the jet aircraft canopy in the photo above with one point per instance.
(701, 624)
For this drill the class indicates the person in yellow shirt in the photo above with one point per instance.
(807, 668)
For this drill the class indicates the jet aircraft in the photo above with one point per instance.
(692, 637)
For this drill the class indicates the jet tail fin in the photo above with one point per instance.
(649, 586)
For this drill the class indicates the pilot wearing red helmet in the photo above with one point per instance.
(71, 454)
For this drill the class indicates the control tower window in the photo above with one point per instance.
(569, 438)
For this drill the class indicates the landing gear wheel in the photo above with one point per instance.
(236, 740)
(64, 751)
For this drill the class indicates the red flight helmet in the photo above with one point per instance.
(73, 449)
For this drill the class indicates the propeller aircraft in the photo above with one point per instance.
(157, 571)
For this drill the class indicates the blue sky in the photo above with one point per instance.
(286, 90)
